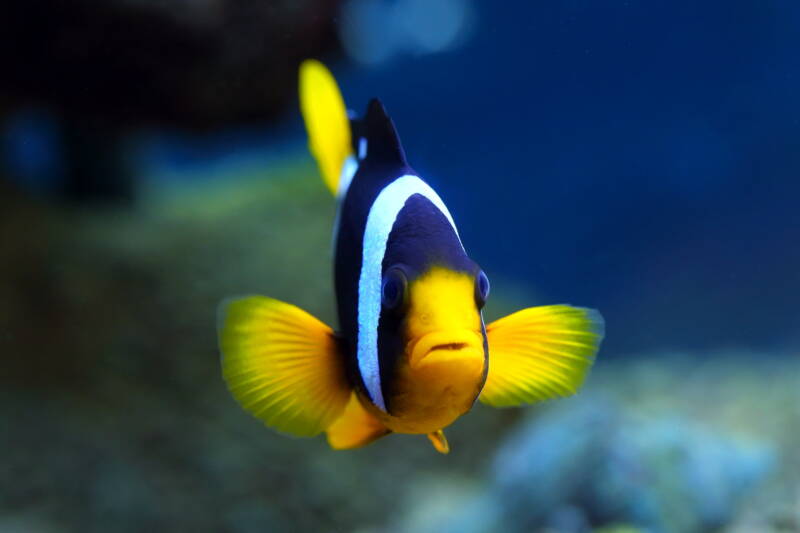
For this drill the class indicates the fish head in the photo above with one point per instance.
(437, 336)
(443, 320)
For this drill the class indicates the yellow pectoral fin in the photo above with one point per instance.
(540, 353)
(282, 365)
(355, 427)
(326, 121)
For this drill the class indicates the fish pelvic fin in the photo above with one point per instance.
(355, 428)
(439, 441)
(327, 124)
(540, 353)
(282, 365)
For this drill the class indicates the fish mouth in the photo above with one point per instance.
(444, 345)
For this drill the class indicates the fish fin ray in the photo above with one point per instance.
(560, 345)
(282, 365)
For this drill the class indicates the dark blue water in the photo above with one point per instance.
(639, 157)
(642, 158)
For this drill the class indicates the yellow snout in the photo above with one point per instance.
(438, 381)
(443, 368)
(442, 346)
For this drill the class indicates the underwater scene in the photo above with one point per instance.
(400, 266)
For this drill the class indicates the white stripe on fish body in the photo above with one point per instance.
(380, 220)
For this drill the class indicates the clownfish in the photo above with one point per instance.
(412, 352)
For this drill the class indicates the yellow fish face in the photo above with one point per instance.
(443, 366)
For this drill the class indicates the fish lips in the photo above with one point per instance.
(444, 345)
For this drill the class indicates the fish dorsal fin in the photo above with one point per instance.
(382, 139)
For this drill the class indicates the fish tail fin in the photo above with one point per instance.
(282, 365)
(327, 123)
(540, 353)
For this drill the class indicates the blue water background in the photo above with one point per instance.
(638, 157)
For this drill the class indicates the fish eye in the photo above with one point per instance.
(482, 288)
(393, 288)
